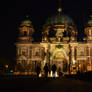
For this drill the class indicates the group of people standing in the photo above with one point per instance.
(47, 70)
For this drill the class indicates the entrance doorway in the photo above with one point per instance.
(60, 60)
(61, 65)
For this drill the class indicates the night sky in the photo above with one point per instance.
(12, 12)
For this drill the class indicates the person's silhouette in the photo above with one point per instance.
(46, 70)
(38, 69)
(54, 68)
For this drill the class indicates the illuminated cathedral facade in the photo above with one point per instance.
(59, 46)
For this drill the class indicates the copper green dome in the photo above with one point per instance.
(27, 21)
(59, 19)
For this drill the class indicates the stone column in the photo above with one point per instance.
(70, 54)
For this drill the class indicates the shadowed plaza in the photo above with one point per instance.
(45, 84)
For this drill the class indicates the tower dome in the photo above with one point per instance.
(88, 29)
(89, 22)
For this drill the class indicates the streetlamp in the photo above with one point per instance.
(6, 67)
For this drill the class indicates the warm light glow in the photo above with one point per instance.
(44, 62)
(59, 10)
(51, 74)
(74, 61)
(6, 66)
(16, 73)
(40, 75)
(25, 73)
(56, 75)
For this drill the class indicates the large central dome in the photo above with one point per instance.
(59, 19)
(59, 26)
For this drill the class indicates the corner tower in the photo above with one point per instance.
(88, 29)
(26, 31)
(23, 49)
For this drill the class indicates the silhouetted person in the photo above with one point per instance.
(38, 69)
(54, 68)
(46, 70)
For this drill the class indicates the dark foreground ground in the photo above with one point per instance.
(28, 84)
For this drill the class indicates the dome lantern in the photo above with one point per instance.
(59, 8)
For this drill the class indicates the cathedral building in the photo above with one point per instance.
(59, 46)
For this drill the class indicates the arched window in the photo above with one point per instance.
(23, 53)
(52, 33)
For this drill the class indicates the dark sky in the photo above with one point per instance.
(12, 12)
